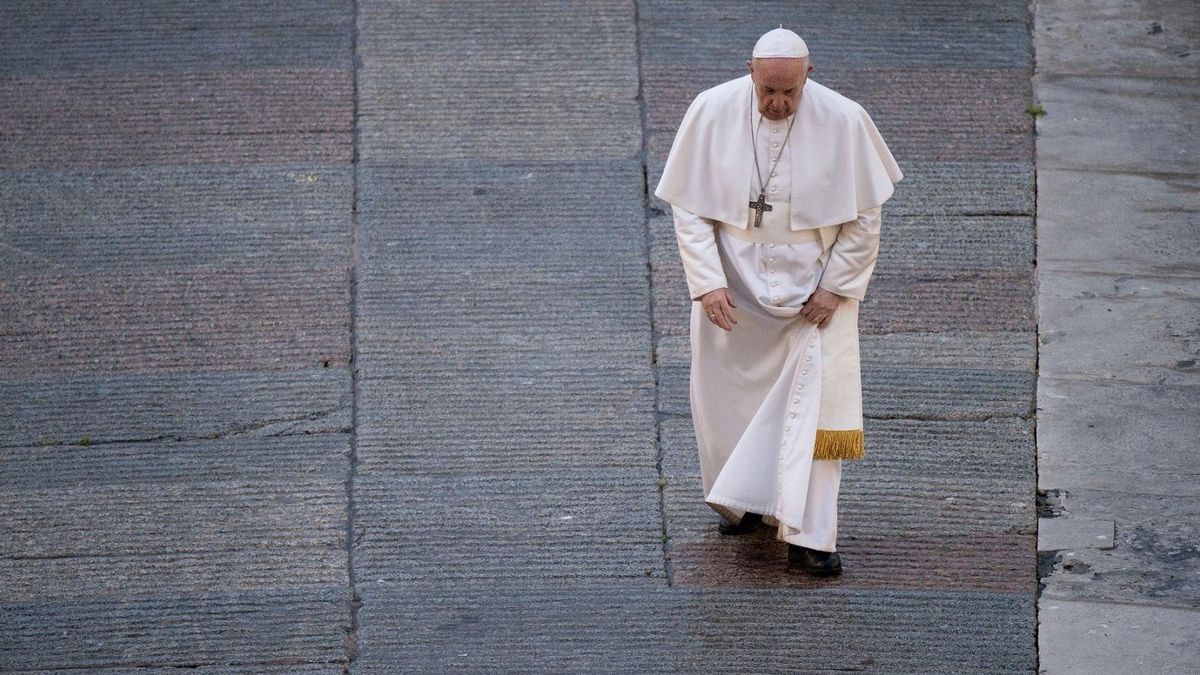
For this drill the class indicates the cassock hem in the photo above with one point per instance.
(726, 509)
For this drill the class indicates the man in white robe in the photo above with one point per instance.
(777, 185)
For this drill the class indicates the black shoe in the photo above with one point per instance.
(821, 563)
(749, 523)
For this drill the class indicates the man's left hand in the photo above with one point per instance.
(820, 307)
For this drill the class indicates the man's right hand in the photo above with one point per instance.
(718, 307)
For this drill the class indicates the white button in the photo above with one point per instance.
(774, 145)
(808, 359)
(784, 442)
(772, 173)
(774, 283)
(772, 245)
(800, 388)
(775, 298)
(792, 415)
(774, 189)
(795, 400)
(770, 260)
(804, 372)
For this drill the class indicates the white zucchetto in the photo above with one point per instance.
(780, 43)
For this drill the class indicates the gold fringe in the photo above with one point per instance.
(839, 444)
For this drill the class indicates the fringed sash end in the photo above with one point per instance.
(839, 444)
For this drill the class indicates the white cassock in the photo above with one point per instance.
(776, 402)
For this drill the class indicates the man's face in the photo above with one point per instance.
(778, 84)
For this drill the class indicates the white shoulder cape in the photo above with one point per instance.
(840, 164)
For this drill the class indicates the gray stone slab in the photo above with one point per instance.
(130, 119)
(1009, 351)
(1090, 637)
(1123, 329)
(948, 301)
(1142, 38)
(946, 393)
(290, 315)
(163, 218)
(173, 406)
(1118, 223)
(80, 36)
(683, 34)
(123, 533)
(1123, 437)
(956, 242)
(284, 454)
(578, 88)
(538, 526)
(188, 511)
(290, 624)
(572, 627)
(1118, 124)
(1074, 533)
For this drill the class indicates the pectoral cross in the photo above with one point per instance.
(758, 207)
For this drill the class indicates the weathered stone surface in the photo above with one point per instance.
(1137, 224)
(1148, 449)
(291, 624)
(215, 218)
(76, 36)
(173, 406)
(1105, 328)
(1117, 398)
(573, 627)
(495, 81)
(1083, 637)
(1152, 554)
(1152, 39)
(1156, 133)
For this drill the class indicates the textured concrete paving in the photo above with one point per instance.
(1119, 299)
(176, 191)
(344, 335)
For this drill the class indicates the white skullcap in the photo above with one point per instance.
(780, 43)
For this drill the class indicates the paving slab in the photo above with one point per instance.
(1140, 39)
(292, 624)
(1090, 637)
(1120, 328)
(1156, 133)
(1148, 448)
(1128, 224)
(573, 627)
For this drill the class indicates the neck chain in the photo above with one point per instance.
(760, 205)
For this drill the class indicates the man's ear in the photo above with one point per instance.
(750, 65)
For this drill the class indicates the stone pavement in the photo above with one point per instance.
(345, 336)
(1119, 296)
